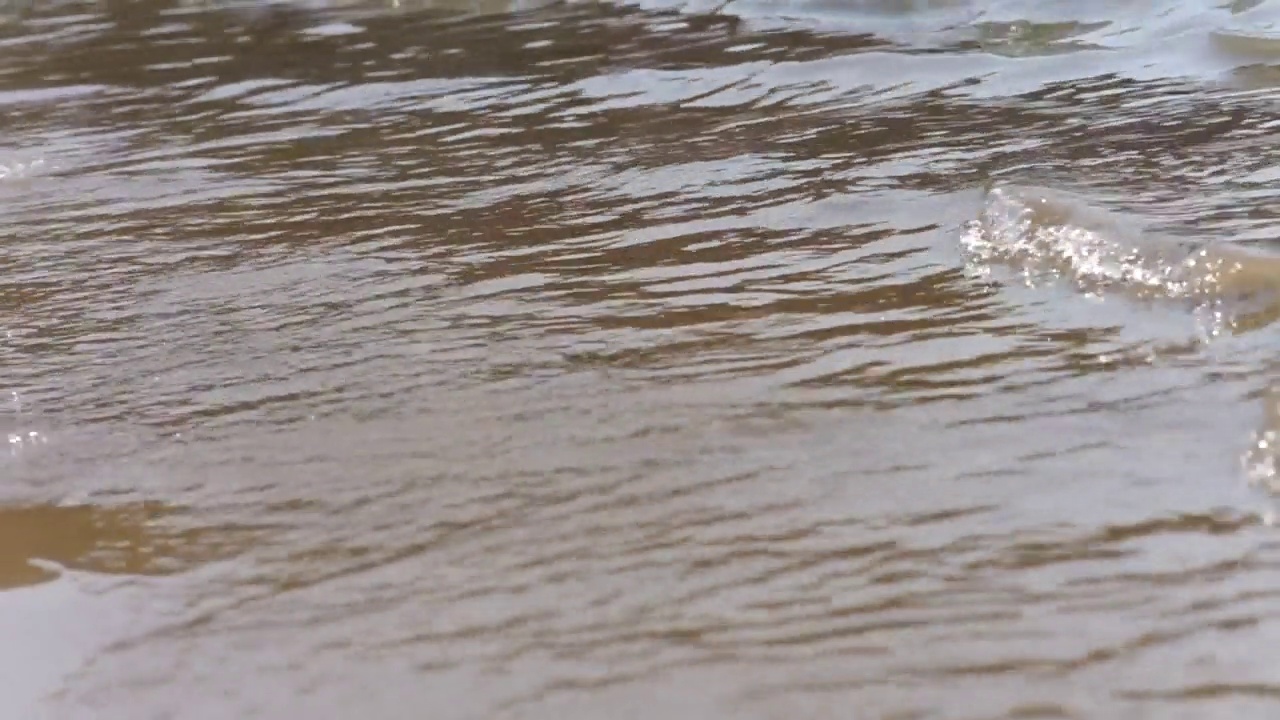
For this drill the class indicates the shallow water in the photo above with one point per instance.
(483, 360)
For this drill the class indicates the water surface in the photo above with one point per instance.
(582, 360)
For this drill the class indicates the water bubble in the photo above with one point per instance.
(1259, 461)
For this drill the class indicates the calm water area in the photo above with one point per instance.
(760, 359)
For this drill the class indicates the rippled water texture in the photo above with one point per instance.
(805, 359)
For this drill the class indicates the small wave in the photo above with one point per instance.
(1052, 236)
